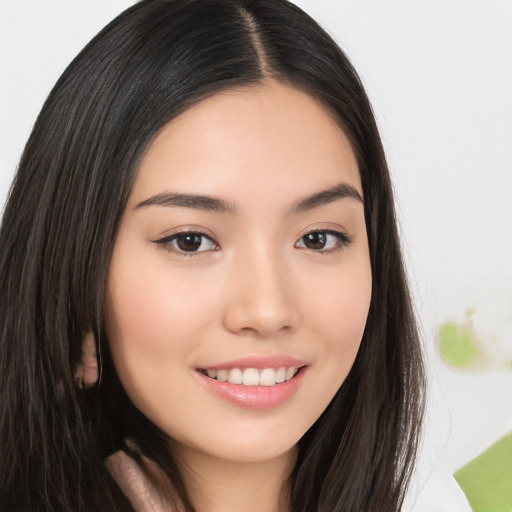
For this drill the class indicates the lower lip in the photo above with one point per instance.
(254, 397)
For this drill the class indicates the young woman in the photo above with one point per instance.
(204, 303)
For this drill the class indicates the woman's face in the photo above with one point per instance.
(240, 280)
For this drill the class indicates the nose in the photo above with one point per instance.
(261, 300)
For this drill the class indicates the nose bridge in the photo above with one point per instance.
(262, 301)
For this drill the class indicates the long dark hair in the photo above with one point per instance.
(146, 67)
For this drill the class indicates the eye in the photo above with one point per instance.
(323, 241)
(188, 242)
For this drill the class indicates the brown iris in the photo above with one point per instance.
(189, 242)
(316, 240)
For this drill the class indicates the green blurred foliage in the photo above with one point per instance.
(458, 345)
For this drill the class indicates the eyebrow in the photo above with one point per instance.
(196, 201)
(339, 191)
(215, 204)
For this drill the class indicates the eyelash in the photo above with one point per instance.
(342, 240)
(166, 243)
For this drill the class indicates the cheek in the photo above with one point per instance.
(339, 303)
(154, 325)
(338, 313)
(154, 310)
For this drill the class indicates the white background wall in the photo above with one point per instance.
(439, 74)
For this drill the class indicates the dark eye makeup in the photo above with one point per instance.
(324, 241)
(193, 243)
(188, 243)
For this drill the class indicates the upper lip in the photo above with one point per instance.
(258, 362)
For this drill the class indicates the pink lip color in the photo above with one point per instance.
(258, 362)
(254, 397)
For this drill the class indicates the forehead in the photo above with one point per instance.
(257, 139)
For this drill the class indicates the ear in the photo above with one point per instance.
(86, 374)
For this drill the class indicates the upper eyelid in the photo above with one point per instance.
(334, 226)
(324, 230)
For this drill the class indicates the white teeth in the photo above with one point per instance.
(222, 375)
(290, 372)
(267, 377)
(253, 376)
(235, 376)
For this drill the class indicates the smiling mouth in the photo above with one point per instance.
(253, 376)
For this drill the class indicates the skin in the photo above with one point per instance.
(255, 289)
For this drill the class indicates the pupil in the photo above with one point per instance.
(189, 242)
(315, 240)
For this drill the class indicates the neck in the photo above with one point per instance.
(217, 485)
